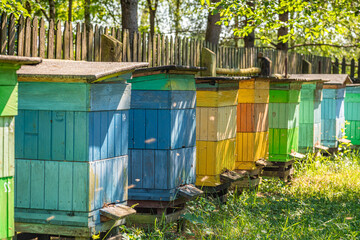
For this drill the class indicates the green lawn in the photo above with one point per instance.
(322, 202)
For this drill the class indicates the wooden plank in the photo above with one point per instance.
(34, 37)
(144, 48)
(167, 51)
(117, 211)
(50, 49)
(66, 41)
(58, 41)
(135, 48)
(97, 44)
(128, 50)
(3, 33)
(27, 39)
(189, 191)
(78, 43)
(124, 42)
(21, 33)
(139, 47)
(71, 41)
(90, 44)
(163, 51)
(12, 35)
(84, 42)
(42, 38)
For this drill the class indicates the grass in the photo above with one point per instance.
(322, 202)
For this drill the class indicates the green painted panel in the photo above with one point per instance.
(282, 142)
(306, 135)
(53, 96)
(284, 96)
(352, 97)
(163, 82)
(7, 128)
(6, 207)
(8, 100)
(8, 75)
(352, 131)
(283, 115)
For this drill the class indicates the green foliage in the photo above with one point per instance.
(13, 6)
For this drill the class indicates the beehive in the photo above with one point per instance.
(71, 145)
(352, 113)
(283, 119)
(332, 106)
(252, 122)
(162, 153)
(8, 109)
(215, 128)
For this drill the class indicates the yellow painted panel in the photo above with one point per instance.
(261, 96)
(250, 147)
(247, 84)
(246, 96)
(208, 181)
(213, 159)
(262, 84)
(216, 98)
(215, 124)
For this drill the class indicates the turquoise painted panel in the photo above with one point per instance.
(353, 132)
(334, 93)
(155, 174)
(306, 135)
(163, 81)
(163, 99)
(71, 136)
(69, 186)
(352, 111)
(73, 96)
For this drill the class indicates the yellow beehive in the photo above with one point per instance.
(252, 122)
(215, 128)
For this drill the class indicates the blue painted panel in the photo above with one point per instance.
(353, 89)
(163, 99)
(153, 194)
(328, 109)
(334, 93)
(105, 97)
(162, 129)
(154, 170)
(71, 136)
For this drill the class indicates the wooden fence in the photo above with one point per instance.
(348, 68)
(35, 37)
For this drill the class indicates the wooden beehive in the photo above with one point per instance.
(283, 119)
(332, 106)
(215, 128)
(252, 122)
(162, 153)
(8, 109)
(310, 113)
(352, 113)
(71, 146)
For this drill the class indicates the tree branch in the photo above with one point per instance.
(323, 44)
(43, 11)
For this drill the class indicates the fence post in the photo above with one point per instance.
(336, 66)
(352, 69)
(343, 65)
(306, 67)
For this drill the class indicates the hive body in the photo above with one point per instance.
(252, 122)
(71, 152)
(310, 117)
(283, 120)
(162, 151)
(332, 116)
(352, 113)
(215, 128)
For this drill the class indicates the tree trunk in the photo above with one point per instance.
(52, 10)
(87, 14)
(70, 11)
(213, 30)
(284, 17)
(177, 17)
(152, 14)
(129, 17)
(249, 40)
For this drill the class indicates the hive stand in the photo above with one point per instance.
(216, 134)
(283, 126)
(72, 147)
(352, 113)
(162, 153)
(8, 110)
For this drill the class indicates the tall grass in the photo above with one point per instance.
(322, 202)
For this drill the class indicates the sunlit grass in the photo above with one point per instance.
(322, 202)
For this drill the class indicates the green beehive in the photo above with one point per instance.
(283, 119)
(352, 113)
(8, 109)
(310, 116)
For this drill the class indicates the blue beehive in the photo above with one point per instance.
(71, 146)
(162, 134)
